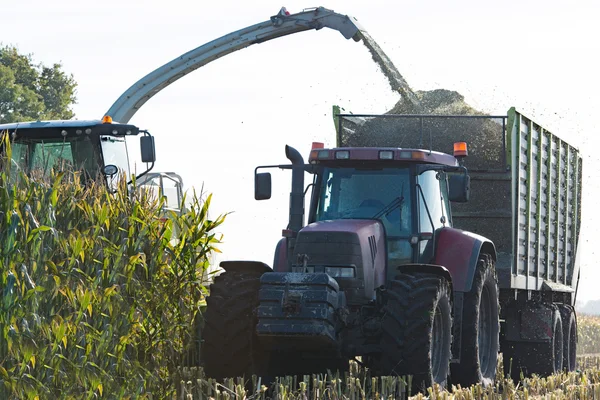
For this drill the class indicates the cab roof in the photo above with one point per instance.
(381, 154)
(55, 127)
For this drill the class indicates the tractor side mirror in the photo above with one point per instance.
(459, 188)
(147, 149)
(262, 186)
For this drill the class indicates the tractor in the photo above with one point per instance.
(378, 274)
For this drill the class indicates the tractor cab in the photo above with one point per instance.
(407, 190)
(372, 203)
(92, 147)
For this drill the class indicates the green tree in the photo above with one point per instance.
(30, 91)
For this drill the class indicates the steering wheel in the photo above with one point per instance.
(393, 217)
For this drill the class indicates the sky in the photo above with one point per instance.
(217, 124)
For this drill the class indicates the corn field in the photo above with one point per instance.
(589, 334)
(98, 301)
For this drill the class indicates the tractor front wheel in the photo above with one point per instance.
(230, 346)
(417, 330)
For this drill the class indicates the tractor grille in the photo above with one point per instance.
(331, 248)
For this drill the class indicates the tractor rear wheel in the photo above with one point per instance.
(480, 333)
(529, 358)
(569, 323)
(417, 330)
(230, 346)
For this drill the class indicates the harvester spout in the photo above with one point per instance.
(296, 221)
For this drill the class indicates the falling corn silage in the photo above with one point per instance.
(483, 135)
(428, 120)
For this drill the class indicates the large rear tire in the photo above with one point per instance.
(480, 335)
(530, 358)
(417, 330)
(230, 346)
(569, 323)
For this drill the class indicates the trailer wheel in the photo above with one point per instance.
(417, 330)
(230, 346)
(480, 335)
(569, 323)
(530, 358)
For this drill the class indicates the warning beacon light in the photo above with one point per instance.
(460, 149)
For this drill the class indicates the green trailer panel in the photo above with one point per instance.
(546, 196)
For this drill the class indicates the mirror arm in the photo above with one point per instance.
(307, 187)
(272, 166)
(445, 168)
(457, 168)
(142, 174)
(306, 167)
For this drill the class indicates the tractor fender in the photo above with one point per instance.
(245, 266)
(428, 268)
(280, 258)
(459, 251)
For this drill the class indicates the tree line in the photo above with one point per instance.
(31, 91)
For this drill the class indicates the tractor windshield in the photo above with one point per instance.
(115, 152)
(382, 194)
(43, 155)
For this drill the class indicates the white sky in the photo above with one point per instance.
(220, 122)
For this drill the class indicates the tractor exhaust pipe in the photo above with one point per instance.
(296, 221)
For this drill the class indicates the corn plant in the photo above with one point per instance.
(588, 328)
(97, 300)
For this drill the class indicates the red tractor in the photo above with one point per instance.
(373, 274)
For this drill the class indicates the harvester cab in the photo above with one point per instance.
(94, 147)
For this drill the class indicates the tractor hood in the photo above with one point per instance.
(342, 225)
(338, 245)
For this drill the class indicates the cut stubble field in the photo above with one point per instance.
(584, 383)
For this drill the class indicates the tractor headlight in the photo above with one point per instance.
(334, 272)
(340, 272)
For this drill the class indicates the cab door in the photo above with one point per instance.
(432, 210)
